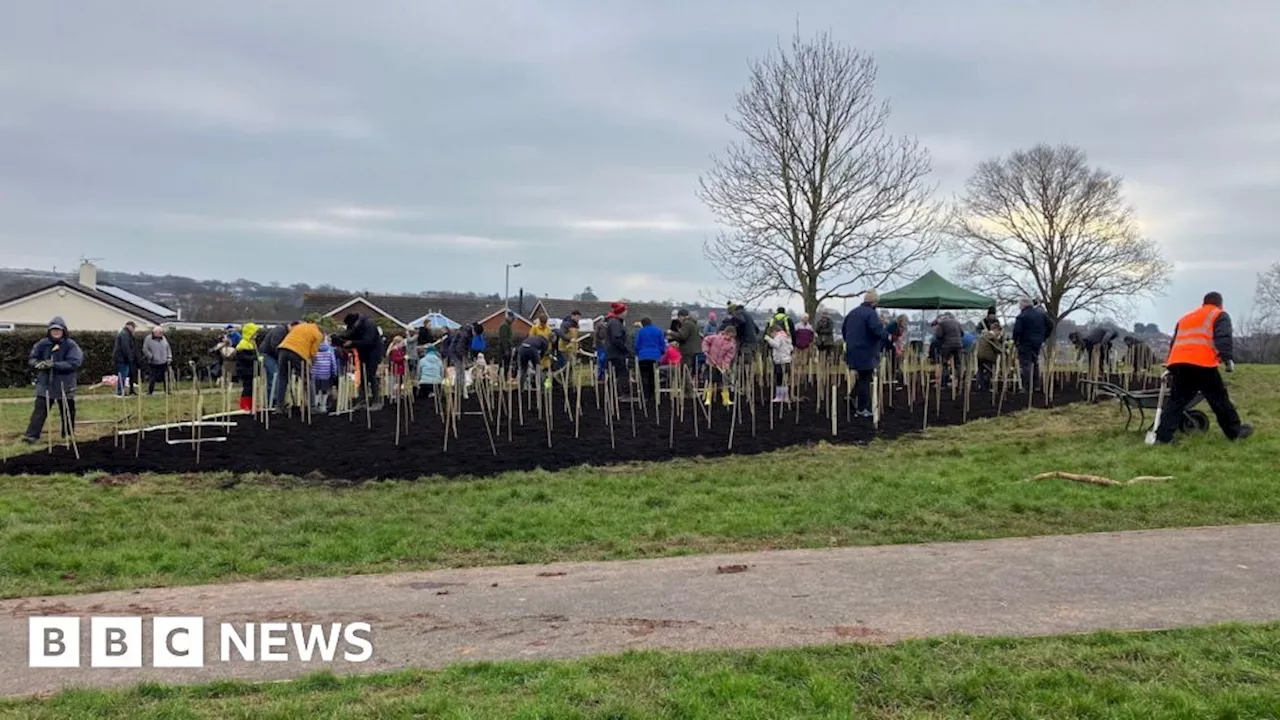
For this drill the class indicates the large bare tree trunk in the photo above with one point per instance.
(817, 199)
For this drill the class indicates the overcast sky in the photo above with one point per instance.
(420, 145)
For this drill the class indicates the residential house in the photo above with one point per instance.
(85, 305)
(409, 311)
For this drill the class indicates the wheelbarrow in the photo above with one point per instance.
(1192, 420)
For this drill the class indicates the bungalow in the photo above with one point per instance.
(409, 311)
(85, 304)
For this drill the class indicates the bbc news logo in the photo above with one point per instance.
(178, 642)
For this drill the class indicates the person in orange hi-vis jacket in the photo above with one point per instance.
(1201, 341)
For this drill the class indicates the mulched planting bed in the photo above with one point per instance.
(339, 448)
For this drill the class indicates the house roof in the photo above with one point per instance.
(405, 309)
(118, 303)
(659, 313)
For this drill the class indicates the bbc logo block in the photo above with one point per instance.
(178, 642)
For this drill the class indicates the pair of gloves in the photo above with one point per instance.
(44, 365)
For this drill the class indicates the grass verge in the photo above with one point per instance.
(1219, 672)
(67, 534)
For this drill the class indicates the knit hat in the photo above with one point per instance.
(618, 308)
(682, 312)
(350, 318)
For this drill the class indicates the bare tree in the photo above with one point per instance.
(1266, 299)
(816, 199)
(1042, 223)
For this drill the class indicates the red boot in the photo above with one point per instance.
(246, 404)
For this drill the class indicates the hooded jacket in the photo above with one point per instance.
(780, 347)
(325, 364)
(672, 356)
(66, 358)
(430, 368)
(719, 349)
(156, 351)
(651, 343)
(246, 354)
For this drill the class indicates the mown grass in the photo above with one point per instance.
(1220, 672)
(66, 534)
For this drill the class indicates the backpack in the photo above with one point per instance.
(479, 343)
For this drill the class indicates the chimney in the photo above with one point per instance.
(88, 275)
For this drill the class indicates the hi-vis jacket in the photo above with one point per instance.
(1202, 338)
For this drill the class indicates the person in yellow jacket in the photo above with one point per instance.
(246, 364)
(295, 354)
(543, 330)
(1201, 341)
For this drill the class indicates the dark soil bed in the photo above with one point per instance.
(338, 448)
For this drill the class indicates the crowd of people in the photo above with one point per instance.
(707, 351)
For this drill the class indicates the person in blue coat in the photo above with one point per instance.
(864, 335)
(651, 343)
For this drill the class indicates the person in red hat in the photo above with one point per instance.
(617, 350)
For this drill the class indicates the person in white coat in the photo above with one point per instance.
(781, 349)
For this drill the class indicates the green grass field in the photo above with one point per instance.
(1222, 672)
(67, 534)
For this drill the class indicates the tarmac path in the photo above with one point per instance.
(1023, 586)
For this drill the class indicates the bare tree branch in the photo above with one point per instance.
(817, 199)
(1042, 223)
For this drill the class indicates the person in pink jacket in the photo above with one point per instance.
(720, 348)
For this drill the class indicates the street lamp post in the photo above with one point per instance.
(506, 286)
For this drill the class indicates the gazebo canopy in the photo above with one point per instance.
(933, 292)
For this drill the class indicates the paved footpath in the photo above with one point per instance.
(1024, 586)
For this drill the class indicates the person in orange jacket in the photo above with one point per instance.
(295, 354)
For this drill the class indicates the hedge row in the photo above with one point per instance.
(187, 345)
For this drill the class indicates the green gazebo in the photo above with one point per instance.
(931, 291)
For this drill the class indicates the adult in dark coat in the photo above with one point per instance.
(949, 337)
(825, 334)
(1030, 332)
(864, 336)
(616, 349)
(56, 358)
(689, 338)
(1097, 343)
(123, 358)
(362, 336)
(748, 333)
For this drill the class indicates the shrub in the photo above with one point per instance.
(187, 345)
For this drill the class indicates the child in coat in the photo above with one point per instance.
(430, 371)
(781, 348)
(247, 365)
(720, 348)
(324, 372)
